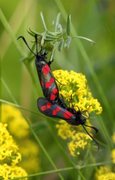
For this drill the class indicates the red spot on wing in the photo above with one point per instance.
(67, 114)
(45, 69)
(56, 110)
(54, 91)
(46, 106)
(43, 108)
(48, 84)
(52, 97)
(53, 94)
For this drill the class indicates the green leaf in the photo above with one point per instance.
(67, 42)
(85, 38)
(43, 21)
(61, 45)
(57, 21)
(68, 25)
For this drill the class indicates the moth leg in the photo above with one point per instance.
(50, 62)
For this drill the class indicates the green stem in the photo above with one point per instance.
(43, 21)
(7, 89)
(8, 28)
(18, 106)
(65, 169)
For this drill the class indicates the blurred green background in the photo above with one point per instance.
(93, 19)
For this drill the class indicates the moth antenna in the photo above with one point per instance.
(91, 137)
(92, 127)
(23, 38)
(36, 41)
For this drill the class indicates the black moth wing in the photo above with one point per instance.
(54, 110)
(47, 80)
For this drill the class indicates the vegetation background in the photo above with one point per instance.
(93, 19)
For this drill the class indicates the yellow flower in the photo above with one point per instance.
(10, 172)
(104, 173)
(78, 143)
(9, 156)
(64, 130)
(16, 123)
(102, 170)
(8, 149)
(107, 176)
(78, 140)
(113, 155)
(73, 87)
(76, 93)
(19, 128)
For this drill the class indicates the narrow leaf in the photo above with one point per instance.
(57, 21)
(87, 39)
(43, 21)
(68, 25)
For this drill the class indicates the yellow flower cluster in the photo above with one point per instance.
(75, 91)
(9, 156)
(113, 155)
(19, 128)
(78, 143)
(10, 172)
(104, 173)
(16, 122)
(8, 149)
(78, 140)
(73, 87)
(113, 150)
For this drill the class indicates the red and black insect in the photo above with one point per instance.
(46, 78)
(55, 110)
(71, 116)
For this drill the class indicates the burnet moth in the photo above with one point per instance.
(53, 105)
(73, 117)
(46, 78)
